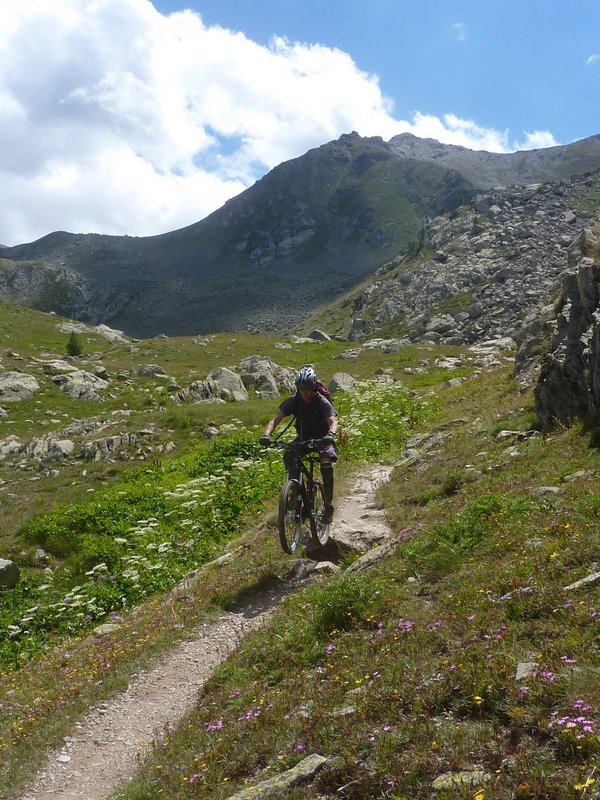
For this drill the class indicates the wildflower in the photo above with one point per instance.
(479, 700)
(589, 782)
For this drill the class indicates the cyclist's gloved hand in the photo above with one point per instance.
(329, 436)
(265, 441)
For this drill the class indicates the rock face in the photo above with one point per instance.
(502, 259)
(568, 386)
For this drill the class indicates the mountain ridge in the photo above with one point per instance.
(332, 216)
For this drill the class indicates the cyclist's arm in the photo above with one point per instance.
(332, 422)
(273, 423)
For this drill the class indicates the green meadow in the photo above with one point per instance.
(462, 665)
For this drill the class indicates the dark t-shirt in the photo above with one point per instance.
(311, 418)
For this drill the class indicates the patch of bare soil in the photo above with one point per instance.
(103, 750)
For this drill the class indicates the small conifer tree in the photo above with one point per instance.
(74, 347)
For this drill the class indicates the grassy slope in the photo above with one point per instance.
(423, 637)
(425, 647)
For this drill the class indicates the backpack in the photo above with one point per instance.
(322, 389)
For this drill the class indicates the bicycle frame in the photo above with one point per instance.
(303, 466)
(302, 496)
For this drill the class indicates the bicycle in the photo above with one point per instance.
(302, 497)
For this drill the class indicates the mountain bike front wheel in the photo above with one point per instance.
(290, 516)
(319, 530)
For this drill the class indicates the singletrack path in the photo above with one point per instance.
(103, 750)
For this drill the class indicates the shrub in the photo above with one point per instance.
(74, 346)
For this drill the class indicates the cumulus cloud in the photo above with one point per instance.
(117, 119)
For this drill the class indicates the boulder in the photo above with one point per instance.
(199, 392)
(80, 385)
(60, 449)
(319, 336)
(58, 367)
(9, 574)
(265, 386)
(15, 386)
(266, 377)
(151, 369)
(111, 334)
(229, 384)
(341, 382)
(12, 444)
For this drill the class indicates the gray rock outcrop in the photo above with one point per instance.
(58, 367)
(268, 379)
(49, 448)
(230, 384)
(151, 369)
(568, 386)
(503, 258)
(260, 373)
(12, 444)
(15, 386)
(9, 573)
(341, 382)
(80, 385)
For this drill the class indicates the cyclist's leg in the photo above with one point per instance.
(327, 475)
(326, 462)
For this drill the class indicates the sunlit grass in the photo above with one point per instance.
(461, 652)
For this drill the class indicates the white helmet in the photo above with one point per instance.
(306, 378)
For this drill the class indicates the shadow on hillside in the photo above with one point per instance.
(267, 593)
(261, 598)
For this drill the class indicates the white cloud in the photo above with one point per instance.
(591, 59)
(460, 31)
(536, 141)
(117, 119)
(450, 129)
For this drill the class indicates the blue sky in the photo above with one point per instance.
(139, 117)
(523, 65)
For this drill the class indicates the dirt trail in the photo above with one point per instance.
(104, 748)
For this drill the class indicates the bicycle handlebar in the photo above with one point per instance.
(307, 446)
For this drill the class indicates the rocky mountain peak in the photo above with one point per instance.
(319, 225)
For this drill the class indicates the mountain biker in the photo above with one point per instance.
(315, 418)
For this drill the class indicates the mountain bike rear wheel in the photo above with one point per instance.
(319, 530)
(290, 516)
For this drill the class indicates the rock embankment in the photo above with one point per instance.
(485, 270)
(568, 386)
